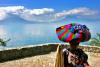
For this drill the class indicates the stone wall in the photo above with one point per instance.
(13, 54)
(25, 52)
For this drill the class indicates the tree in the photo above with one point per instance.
(4, 43)
(96, 40)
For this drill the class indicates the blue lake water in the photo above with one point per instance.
(22, 34)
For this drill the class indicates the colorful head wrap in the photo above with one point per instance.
(74, 31)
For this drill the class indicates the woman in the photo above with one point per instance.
(73, 56)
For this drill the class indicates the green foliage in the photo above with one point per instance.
(95, 41)
(3, 43)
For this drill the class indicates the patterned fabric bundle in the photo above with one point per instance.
(72, 31)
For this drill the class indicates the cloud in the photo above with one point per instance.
(12, 9)
(41, 11)
(4, 11)
(39, 15)
(2, 15)
(48, 14)
(26, 14)
(80, 13)
(22, 9)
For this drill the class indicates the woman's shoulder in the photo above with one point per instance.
(83, 54)
(80, 50)
(65, 51)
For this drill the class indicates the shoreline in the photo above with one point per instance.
(35, 45)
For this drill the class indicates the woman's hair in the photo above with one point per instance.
(74, 42)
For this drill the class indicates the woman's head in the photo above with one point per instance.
(74, 42)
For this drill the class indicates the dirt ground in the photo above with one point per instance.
(47, 60)
(94, 59)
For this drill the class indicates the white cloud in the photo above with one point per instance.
(47, 14)
(41, 11)
(24, 13)
(2, 15)
(80, 11)
(40, 15)
(12, 9)
(22, 9)
(39, 18)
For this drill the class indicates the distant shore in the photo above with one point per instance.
(35, 45)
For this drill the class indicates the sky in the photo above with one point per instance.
(56, 4)
(29, 22)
